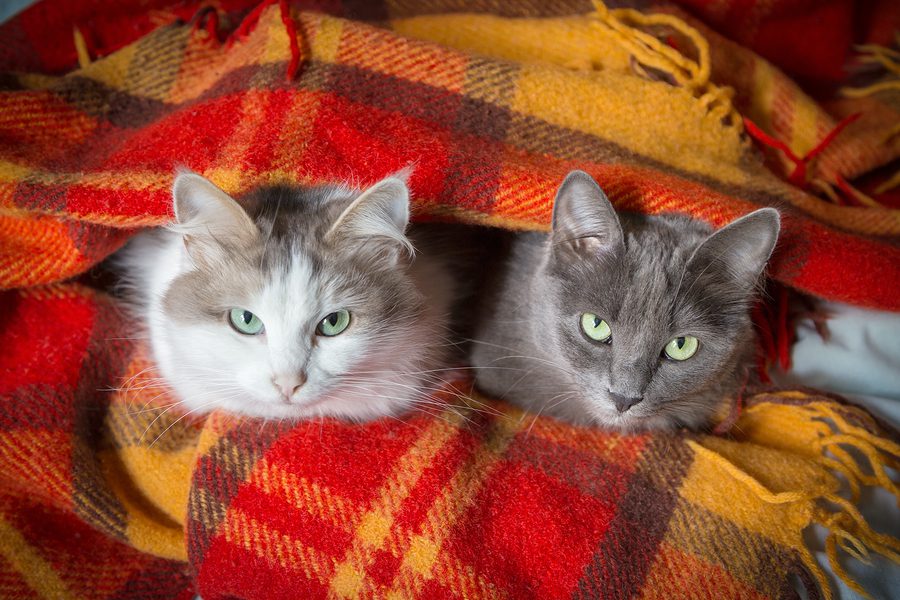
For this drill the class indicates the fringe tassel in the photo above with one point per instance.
(798, 176)
(81, 48)
(838, 430)
(888, 59)
(251, 20)
(648, 51)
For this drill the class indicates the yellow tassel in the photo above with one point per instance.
(889, 59)
(84, 57)
(870, 90)
(623, 24)
(826, 432)
(893, 181)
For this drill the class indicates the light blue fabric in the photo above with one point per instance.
(861, 360)
(9, 8)
(862, 355)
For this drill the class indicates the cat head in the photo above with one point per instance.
(289, 300)
(653, 318)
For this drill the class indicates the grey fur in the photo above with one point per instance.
(652, 278)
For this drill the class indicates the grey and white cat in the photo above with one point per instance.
(629, 322)
(291, 302)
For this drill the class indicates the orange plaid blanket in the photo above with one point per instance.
(106, 494)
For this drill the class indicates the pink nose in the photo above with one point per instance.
(289, 384)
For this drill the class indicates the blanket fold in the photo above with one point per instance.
(481, 501)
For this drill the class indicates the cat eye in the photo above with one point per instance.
(682, 348)
(334, 324)
(245, 322)
(595, 328)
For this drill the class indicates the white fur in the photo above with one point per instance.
(368, 371)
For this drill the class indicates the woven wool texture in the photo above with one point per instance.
(105, 493)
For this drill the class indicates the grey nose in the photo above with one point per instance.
(623, 403)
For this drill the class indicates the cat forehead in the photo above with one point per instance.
(646, 274)
(288, 216)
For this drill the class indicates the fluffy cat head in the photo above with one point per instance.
(651, 318)
(292, 302)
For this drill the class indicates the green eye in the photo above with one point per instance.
(334, 324)
(245, 321)
(682, 348)
(595, 327)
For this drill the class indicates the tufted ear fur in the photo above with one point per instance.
(208, 218)
(378, 219)
(584, 220)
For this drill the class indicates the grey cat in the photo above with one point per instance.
(629, 322)
(292, 302)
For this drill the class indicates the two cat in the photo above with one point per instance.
(306, 302)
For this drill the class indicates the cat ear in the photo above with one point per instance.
(206, 216)
(584, 220)
(379, 216)
(740, 250)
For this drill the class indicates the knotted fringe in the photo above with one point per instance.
(846, 441)
(648, 51)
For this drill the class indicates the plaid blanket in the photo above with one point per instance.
(106, 493)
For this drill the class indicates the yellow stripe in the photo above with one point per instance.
(31, 566)
(137, 180)
(424, 549)
(349, 579)
(306, 495)
(275, 547)
(229, 172)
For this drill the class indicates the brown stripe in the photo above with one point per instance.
(156, 61)
(627, 551)
(105, 359)
(122, 109)
(159, 578)
(587, 472)
(748, 557)
(217, 478)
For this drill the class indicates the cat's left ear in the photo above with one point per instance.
(584, 220)
(378, 218)
(739, 250)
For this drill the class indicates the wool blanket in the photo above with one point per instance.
(107, 492)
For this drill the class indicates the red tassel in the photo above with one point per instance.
(291, 28)
(248, 24)
(798, 175)
(252, 19)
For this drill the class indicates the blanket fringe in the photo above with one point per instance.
(81, 48)
(648, 51)
(848, 442)
(252, 19)
(886, 58)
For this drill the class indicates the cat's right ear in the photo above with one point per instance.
(207, 217)
(584, 220)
